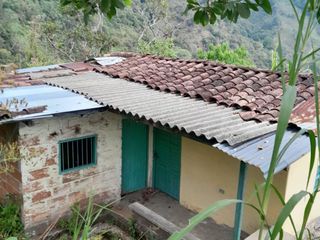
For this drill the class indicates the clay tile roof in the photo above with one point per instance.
(254, 90)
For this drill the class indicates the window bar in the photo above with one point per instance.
(94, 150)
(87, 152)
(72, 154)
(62, 151)
(67, 156)
(78, 162)
(91, 152)
(82, 147)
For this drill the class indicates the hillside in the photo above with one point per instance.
(34, 32)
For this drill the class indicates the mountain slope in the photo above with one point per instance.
(37, 32)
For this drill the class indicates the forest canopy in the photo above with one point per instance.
(34, 32)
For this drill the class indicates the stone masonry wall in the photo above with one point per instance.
(48, 195)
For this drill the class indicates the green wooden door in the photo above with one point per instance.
(167, 161)
(134, 155)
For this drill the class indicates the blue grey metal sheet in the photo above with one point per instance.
(56, 99)
(105, 61)
(37, 69)
(258, 151)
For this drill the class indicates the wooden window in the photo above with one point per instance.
(78, 153)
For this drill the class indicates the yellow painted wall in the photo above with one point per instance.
(297, 180)
(209, 175)
(255, 176)
(205, 173)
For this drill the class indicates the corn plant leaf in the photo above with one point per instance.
(281, 199)
(281, 63)
(288, 144)
(287, 104)
(286, 107)
(312, 139)
(310, 54)
(286, 212)
(306, 215)
(294, 10)
(198, 218)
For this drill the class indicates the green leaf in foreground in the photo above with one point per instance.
(286, 212)
(198, 218)
(312, 139)
(244, 10)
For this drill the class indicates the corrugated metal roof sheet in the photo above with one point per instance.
(78, 66)
(105, 61)
(49, 74)
(43, 95)
(258, 152)
(38, 69)
(191, 115)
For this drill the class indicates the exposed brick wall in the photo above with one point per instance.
(10, 182)
(47, 194)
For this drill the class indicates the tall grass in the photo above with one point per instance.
(307, 21)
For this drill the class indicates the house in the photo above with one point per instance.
(198, 131)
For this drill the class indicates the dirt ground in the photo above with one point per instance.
(170, 209)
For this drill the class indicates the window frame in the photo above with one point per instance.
(75, 169)
(317, 179)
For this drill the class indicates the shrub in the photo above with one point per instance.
(10, 218)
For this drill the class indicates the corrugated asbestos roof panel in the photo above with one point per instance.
(258, 151)
(256, 91)
(37, 69)
(191, 115)
(56, 99)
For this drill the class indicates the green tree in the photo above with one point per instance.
(206, 12)
(224, 54)
(159, 47)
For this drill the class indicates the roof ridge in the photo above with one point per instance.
(207, 61)
(258, 91)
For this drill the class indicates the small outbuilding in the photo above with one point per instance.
(198, 131)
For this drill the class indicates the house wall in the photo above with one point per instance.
(255, 177)
(48, 194)
(10, 178)
(297, 181)
(209, 175)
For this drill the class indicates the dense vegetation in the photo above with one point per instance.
(10, 221)
(34, 32)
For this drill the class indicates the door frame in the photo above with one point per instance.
(122, 155)
(154, 161)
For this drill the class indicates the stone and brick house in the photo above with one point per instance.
(198, 131)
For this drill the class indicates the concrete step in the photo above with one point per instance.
(157, 220)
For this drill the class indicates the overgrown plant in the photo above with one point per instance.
(307, 21)
(224, 54)
(159, 47)
(80, 224)
(9, 154)
(10, 221)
